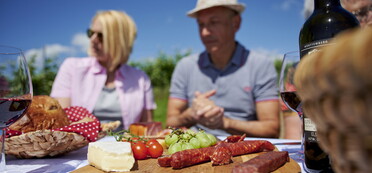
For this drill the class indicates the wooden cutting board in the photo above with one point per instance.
(151, 165)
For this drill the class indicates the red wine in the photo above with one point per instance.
(292, 101)
(11, 110)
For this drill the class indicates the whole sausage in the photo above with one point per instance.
(164, 161)
(251, 146)
(224, 151)
(220, 156)
(191, 157)
(263, 163)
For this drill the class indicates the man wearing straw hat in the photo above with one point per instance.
(226, 89)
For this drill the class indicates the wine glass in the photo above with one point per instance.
(15, 91)
(286, 83)
(288, 90)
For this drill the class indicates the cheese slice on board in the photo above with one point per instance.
(111, 156)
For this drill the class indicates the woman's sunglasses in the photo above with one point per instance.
(90, 33)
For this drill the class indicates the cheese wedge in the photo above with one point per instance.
(111, 156)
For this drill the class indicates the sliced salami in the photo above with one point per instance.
(221, 155)
(235, 138)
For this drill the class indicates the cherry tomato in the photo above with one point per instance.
(144, 140)
(155, 150)
(150, 142)
(139, 150)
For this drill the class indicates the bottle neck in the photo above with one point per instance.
(321, 4)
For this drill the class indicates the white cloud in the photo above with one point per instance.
(52, 50)
(79, 46)
(81, 41)
(287, 4)
(308, 8)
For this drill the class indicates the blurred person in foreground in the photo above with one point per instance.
(362, 9)
(226, 89)
(103, 83)
(335, 87)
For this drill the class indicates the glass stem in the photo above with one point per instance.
(2, 159)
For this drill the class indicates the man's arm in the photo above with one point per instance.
(266, 125)
(179, 114)
(292, 125)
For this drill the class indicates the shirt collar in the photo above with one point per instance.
(97, 68)
(238, 57)
(122, 71)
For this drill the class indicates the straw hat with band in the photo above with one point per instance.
(204, 4)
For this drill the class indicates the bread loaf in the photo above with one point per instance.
(44, 113)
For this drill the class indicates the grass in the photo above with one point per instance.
(161, 98)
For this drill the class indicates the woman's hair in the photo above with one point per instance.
(119, 32)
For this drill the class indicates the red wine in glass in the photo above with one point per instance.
(292, 101)
(11, 110)
(15, 91)
(286, 82)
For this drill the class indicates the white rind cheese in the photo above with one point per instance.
(111, 156)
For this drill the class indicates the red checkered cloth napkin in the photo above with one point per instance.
(89, 130)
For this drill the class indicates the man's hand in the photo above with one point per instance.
(205, 112)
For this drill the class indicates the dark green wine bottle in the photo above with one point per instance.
(327, 20)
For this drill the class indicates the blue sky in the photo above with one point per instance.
(59, 26)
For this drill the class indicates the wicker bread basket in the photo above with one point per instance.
(84, 128)
(335, 85)
(44, 143)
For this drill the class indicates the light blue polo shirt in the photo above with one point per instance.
(247, 79)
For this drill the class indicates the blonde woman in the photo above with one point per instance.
(103, 83)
